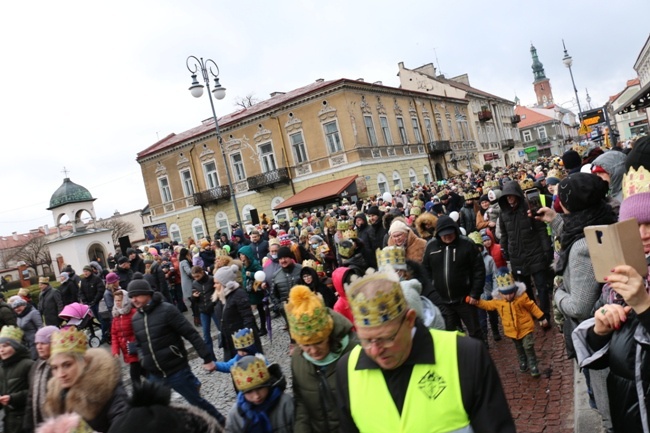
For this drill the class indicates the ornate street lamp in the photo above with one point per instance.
(209, 68)
(568, 61)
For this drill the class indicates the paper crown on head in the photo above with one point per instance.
(416, 210)
(320, 268)
(526, 184)
(220, 252)
(69, 340)
(376, 298)
(350, 234)
(505, 281)
(490, 184)
(346, 248)
(342, 225)
(9, 332)
(476, 237)
(418, 203)
(636, 181)
(309, 320)
(243, 338)
(391, 256)
(250, 373)
(309, 264)
(471, 195)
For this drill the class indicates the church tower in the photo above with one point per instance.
(542, 85)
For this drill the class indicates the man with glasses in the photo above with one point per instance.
(405, 377)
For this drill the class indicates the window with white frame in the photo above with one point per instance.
(440, 128)
(221, 221)
(298, 146)
(210, 171)
(429, 127)
(383, 121)
(427, 175)
(416, 130)
(165, 191)
(541, 131)
(402, 130)
(397, 180)
(280, 214)
(186, 181)
(413, 177)
(238, 166)
(246, 212)
(333, 137)
(197, 229)
(267, 159)
(450, 125)
(382, 183)
(175, 233)
(491, 133)
(370, 130)
(527, 136)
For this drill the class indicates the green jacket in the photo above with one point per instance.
(248, 276)
(314, 388)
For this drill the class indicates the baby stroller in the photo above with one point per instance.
(81, 316)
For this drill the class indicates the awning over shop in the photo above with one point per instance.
(639, 101)
(317, 193)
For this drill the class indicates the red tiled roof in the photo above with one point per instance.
(318, 192)
(530, 117)
(8, 242)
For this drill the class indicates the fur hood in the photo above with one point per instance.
(425, 225)
(521, 288)
(93, 390)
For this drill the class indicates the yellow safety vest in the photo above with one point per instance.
(433, 403)
(542, 199)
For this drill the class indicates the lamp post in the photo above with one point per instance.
(568, 61)
(209, 68)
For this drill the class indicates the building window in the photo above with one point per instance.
(416, 130)
(429, 127)
(165, 191)
(238, 166)
(439, 124)
(382, 183)
(223, 226)
(370, 129)
(175, 233)
(427, 175)
(388, 140)
(298, 145)
(450, 125)
(527, 136)
(491, 133)
(197, 229)
(186, 181)
(267, 159)
(402, 130)
(333, 137)
(397, 180)
(210, 170)
(246, 212)
(413, 177)
(541, 131)
(280, 215)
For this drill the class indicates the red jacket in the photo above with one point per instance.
(121, 334)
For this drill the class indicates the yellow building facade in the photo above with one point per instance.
(327, 130)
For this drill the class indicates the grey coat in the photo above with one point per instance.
(30, 321)
(185, 269)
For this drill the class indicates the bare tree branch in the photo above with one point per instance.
(246, 101)
(120, 228)
(34, 253)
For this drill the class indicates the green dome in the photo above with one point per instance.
(69, 192)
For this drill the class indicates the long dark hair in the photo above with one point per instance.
(183, 255)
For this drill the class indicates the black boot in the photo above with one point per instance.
(523, 363)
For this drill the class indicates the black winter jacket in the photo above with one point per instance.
(14, 375)
(456, 269)
(524, 241)
(237, 314)
(159, 330)
(50, 305)
(205, 288)
(69, 292)
(91, 290)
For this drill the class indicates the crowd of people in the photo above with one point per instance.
(389, 302)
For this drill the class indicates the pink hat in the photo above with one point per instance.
(112, 278)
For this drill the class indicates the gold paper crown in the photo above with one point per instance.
(220, 252)
(350, 234)
(391, 256)
(580, 149)
(309, 264)
(346, 250)
(418, 203)
(320, 268)
(342, 225)
(555, 173)
(471, 195)
(246, 340)
(636, 181)
(490, 184)
(476, 237)
(416, 210)
(308, 317)
(254, 375)
(69, 340)
(505, 281)
(376, 298)
(12, 333)
(526, 184)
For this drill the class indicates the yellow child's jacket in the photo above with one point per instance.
(516, 316)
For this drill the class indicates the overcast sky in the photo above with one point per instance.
(87, 84)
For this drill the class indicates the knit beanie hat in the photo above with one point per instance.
(12, 335)
(571, 159)
(398, 226)
(309, 319)
(373, 210)
(19, 302)
(636, 183)
(139, 286)
(284, 251)
(44, 334)
(505, 283)
(226, 274)
(580, 191)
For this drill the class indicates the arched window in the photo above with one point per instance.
(413, 177)
(282, 213)
(221, 221)
(397, 180)
(175, 233)
(427, 175)
(246, 213)
(382, 183)
(197, 229)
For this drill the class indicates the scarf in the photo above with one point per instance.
(574, 224)
(126, 306)
(256, 416)
(331, 357)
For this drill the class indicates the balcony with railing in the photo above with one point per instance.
(515, 119)
(212, 195)
(485, 114)
(507, 144)
(439, 147)
(269, 179)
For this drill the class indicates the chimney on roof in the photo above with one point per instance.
(379, 83)
(14, 235)
(320, 80)
(274, 94)
(361, 79)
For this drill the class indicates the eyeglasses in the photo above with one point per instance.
(383, 342)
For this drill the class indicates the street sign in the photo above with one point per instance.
(584, 129)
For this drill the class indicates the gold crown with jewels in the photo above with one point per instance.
(376, 298)
(636, 181)
(350, 234)
(505, 281)
(12, 333)
(391, 256)
(254, 375)
(346, 248)
(245, 340)
(526, 184)
(342, 225)
(471, 195)
(69, 340)
(309, 264)
(418, 203)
